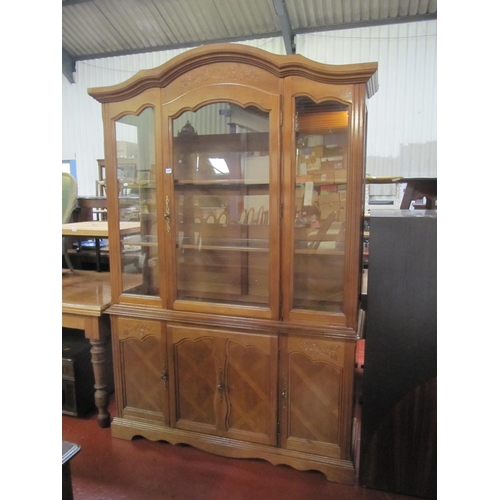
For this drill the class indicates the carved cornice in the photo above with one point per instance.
(278, 65)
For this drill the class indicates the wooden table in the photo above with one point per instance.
(98, 230)
(85, 297)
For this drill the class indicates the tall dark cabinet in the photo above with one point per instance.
(398, 431)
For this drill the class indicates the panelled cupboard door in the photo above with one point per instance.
(316, 395)
(223, 383)
(139, 355)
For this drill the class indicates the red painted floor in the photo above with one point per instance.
(108, 468)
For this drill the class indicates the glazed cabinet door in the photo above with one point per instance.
(223, 383)
(223, 176)
(133, 156)
(323, 173)
(140, 363)
(316, 378)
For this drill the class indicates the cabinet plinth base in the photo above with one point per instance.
(336, 470)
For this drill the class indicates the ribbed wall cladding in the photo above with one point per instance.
(402, 123)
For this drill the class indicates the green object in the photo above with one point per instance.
(69, 194)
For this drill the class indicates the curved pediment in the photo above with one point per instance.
(278, 65)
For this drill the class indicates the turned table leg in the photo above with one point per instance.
(97, 328)
(98, 352)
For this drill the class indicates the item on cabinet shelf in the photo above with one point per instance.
(243, 342)
(222, 218)
(188, 130)
(250, 216)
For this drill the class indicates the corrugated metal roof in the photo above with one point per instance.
(102, 28)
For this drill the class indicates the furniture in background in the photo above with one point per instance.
(418, 189)
(77, 376)
(127, 169)
(98, 230)
(69, 194)
(398, 423)
(85, 297)
(69, 450)
(243, 337)
(91, 208)
(411, 197)
(100, 186)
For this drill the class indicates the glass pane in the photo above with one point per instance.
(320, 204)
(135, 152)
(221, 179)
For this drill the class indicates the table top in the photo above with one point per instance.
(85, 292)
(98, 228)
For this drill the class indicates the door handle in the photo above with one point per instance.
(167, 213)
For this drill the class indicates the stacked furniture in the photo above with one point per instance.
(240, 337)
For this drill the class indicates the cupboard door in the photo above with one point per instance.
(251, 379)
(193, 380)
(316, 395)
(224, 383)
(141, 366)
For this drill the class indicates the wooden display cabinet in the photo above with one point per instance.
(240, 337)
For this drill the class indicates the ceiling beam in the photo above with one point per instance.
(286, 27)
(68, 66)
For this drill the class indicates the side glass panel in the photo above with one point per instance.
(320, 204)
(135, 153)
(221, 182)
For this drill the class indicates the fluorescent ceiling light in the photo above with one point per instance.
(219, 165)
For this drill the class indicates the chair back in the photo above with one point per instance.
(69, 195)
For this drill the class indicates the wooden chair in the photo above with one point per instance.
(69, 195)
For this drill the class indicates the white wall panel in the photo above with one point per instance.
(402, 136)
(402, 123)
(83, 135)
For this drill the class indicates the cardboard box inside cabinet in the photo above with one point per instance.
(311, 156)
(313, 166)
(324, 177)
(331, 163)
(335, 176)
(332, 202)
(340, 175)
(326, 210)
(333, 150)
(327, 199)
(317, 152)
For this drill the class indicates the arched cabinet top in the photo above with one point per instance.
(278, 65)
